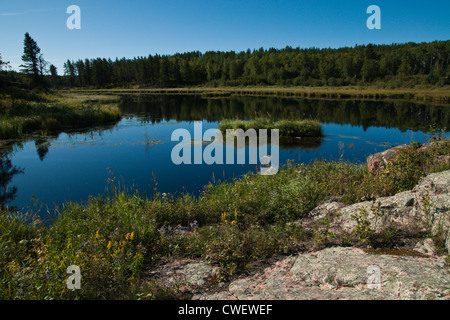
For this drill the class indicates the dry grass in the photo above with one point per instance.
(421, 94)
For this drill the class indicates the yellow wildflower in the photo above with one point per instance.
(129, 236)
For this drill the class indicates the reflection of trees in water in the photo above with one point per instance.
(398, 114)
(286, 143)
(42, 144)
(7, 172)
(42, 147)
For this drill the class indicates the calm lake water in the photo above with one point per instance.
(137, 150)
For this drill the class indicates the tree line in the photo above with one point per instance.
(426, 63)
(396, 65)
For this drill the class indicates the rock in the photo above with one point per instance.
(427, 146)
(378, 161)
(196, 273)
(189, 275)
(400, 277)
(425, 208)
(426, 247)
(325, 209)
(342, 273)
(395, 211)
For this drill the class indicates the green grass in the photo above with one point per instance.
(114, 238)
(50, 113)
(287, 128)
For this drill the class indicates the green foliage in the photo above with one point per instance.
(232, 248)
(408, 64)
(322, 233)
(46, 113)
(363, 229)
(287, 128)
(404, 172)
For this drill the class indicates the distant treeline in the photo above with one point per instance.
(403, 115)
(396, 65)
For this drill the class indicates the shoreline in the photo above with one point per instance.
(120, 242)
(418, 95)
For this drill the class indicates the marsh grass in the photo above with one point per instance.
(287, 128)
(50, 113)
(440, 95)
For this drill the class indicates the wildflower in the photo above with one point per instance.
(223, 218)
(109, 245)
(194, 224)
(129, 236)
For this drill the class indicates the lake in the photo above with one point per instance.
(136, 151)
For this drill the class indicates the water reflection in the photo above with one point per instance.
(397, 114)
(42, 145)
(71, 166)
(7, 172)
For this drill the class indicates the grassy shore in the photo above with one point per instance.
(116, 238)
(287, 128)
(30, 112)
(439, 95)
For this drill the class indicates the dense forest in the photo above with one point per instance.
(396, 65)
(423, 63)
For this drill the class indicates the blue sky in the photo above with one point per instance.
(115, 28)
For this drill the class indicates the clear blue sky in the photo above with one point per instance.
(115, 28)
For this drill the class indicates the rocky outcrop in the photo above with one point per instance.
(378, 161)
(349, 273)
(426, 208)
(187, 273)
(343, 273)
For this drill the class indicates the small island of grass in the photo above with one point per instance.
(287, 128)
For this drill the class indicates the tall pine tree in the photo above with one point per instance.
(31, 58)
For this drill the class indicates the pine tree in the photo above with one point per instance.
(53, 75)
(33, 62)
(69, 70)
(2, 63)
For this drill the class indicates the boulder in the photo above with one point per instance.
(378, 161)
(189, 275)
(340, 273)
(425, 208)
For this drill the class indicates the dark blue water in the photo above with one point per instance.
(137, 150)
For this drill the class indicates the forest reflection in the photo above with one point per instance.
(396, 114)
